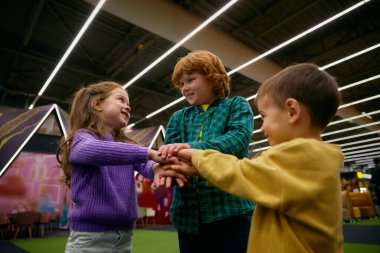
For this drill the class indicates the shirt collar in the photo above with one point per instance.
(214, 103)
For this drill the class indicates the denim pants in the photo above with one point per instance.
(99, 242)
(224, 236)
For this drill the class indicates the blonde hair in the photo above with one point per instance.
(207, 64)
(84, 116)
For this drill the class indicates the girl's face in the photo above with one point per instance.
(115, 109)
(275, 121)
(197, 89)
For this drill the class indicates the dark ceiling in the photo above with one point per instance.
(36, 33)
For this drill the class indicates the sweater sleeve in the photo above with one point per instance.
(283, 178)
(86, 148)
(145, 169)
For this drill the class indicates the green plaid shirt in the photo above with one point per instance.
(227, 127)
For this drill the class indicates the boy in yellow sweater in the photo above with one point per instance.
(296, 183)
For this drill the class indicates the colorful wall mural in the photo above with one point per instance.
(31, 184)
(159, 199)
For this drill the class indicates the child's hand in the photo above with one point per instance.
(184, 167)
(163, 176)
(169, 150)
(153, 155)
(186, 154)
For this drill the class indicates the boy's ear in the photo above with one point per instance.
(294, 109)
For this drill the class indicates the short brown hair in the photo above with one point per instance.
(316, 89)
(207, 64)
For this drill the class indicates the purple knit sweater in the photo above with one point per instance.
(102, 182)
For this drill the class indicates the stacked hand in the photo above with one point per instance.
(176, 164)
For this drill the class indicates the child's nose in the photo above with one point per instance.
(184, 88)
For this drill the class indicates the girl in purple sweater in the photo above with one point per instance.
(98, 161)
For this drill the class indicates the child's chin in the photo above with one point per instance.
(191, 102)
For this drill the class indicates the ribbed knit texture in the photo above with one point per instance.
(102, 182)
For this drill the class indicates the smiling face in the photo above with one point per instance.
(115, 109)
(197, 89)
(276, 125)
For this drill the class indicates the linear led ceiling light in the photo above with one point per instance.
(358, 101)
(350, 57)
(361, 146)
(312, 29)
(361, 155)
(275, 48)
(359, 82)
(365, 160)
(349, 104)
(334, 122)
(343, 60)
(165, 107)
(68, 51)
(186, 38)
(358, 142)
(351, 128)
(352, 136)
(361, 151)
(353, 118)
(341, 145)
(330, 133)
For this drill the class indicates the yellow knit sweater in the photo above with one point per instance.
(296, 186)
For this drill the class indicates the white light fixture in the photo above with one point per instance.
(362, 146)
(366, 160)
(353, 118)
(68, 51)
(257, 142)
(334, 122)
(260, 149)
(341, 145)
(181, 42)
(297, 37)
(359, 82)
(352, 136)
(361, 141)
(361, 151)
(165, 107)
(366, 115)
(361, 155)
(350, 57)
(284, 44)
(359, 101)
(351, 128)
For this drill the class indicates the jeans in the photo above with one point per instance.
(227, 235)
(99, 242)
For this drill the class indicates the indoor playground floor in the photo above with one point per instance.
(360, 236)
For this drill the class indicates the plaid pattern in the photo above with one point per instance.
(227, 127)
